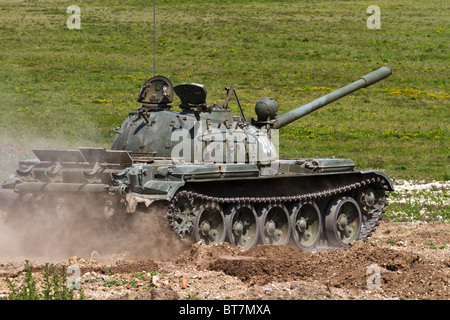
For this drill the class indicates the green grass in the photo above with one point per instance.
(71, 87)
(420, 203)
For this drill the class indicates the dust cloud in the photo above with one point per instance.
(54, 227)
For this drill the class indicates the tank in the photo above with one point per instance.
(214, 176)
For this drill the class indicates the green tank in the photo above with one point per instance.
(214, 176)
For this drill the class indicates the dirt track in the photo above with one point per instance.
(400, 261)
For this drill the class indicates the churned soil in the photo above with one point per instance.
(400, 261)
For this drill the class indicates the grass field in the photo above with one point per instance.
(71, 87)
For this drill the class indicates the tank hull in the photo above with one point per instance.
(261, 202)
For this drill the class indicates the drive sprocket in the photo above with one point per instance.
(182, 214)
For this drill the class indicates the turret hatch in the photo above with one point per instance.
(191, 94)
(157, 91)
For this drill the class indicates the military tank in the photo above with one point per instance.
(214, 176)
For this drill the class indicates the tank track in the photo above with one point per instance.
(370, 219)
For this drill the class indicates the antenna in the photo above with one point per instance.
(154, 37)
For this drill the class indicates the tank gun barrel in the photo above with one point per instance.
(363, 82)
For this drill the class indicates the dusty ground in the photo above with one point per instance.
(406, 261)
(401, 261)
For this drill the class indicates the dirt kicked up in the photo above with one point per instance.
(401, 261)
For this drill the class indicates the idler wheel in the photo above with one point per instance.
(342, 221)
(242, 227)
(210, 224)
(306, 224)
(372, 198)
(275, 227)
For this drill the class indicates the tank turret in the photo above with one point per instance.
(202, 132)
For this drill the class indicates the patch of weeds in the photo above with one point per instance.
(192, 296)
(392, 242)
(53, 286)
(112, 283)
(133, 283)
(431, 245)
(27, 291)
